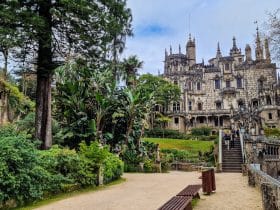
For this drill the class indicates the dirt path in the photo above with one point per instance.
(150, 191)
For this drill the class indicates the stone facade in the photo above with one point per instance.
(212, 93)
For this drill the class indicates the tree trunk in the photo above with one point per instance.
(5, 93)
(44, 78)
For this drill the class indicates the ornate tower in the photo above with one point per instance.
(267, 52)
(234, 50)
(190, 51)
(259, 48)
(248, 53)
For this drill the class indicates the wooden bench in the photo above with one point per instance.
(178, 203)
(191, 190)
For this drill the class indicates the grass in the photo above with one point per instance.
(68, 194)
(188, 145)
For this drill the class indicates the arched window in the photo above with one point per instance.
(268, 100)
(227, 66)
(239, 82)
(199, 106)
(228, 83)
(198, 86)
(217, 84)
(189, 85)
(190, 106)
(218, 105)
(176, 107)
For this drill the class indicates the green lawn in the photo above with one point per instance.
(189, 145)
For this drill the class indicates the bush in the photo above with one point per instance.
(113, 168)
(22, 177)
(97, 156)
(165, 133)
(179, 155)
(70, 165)
(202, 131)
(148, 166)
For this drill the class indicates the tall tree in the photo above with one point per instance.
(273, 25)
(130, 66)
(50, 30)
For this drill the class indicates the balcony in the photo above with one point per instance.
(228, 90)
(210, 112)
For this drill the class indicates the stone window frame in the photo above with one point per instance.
(198, 86)
(270, 117)
(228, 83)
(239, 82)
(199, 106)
(189, 105)
(176, 120)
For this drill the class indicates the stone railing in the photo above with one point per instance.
(270, 187)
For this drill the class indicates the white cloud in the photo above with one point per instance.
(211, 21)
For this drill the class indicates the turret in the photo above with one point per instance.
(180, 49)
(170, 50)
(218, 54)
(234, 50)
(190, 51)
(248, 53)
(259, 48)
(267, 52)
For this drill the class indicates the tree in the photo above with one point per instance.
(163, 92)
(273, 25)
(130, 66)
(50, 30)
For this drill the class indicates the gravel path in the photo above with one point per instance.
(150, 191)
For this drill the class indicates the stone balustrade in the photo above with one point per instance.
(269, 187)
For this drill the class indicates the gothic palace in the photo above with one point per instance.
(212, 93)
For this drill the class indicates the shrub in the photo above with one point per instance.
(164, 133)
(148, 166)
(97, 156)
(113, 168)
(69, 164)
(202, 131)
(179, 155)
(22, 178)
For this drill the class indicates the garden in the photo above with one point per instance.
(73, 114)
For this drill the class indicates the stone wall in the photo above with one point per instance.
(271, 167)
(269, 187)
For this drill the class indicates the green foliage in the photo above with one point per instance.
(70, 165)
(202, 131)
(113, 168)
(168, 133)
(270, 132)
(180, 155)
(19, 104)
(97, 156)
(22, 177)
(164, 91)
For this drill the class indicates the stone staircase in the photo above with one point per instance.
(232, 158)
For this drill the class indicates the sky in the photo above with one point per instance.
(157, 24)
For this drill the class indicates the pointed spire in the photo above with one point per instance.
(170, 50)
(190, 37)
(259, 48)
(218, 54)
(179, 49)
(267, 52)
(166, 53)
(234, 43)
